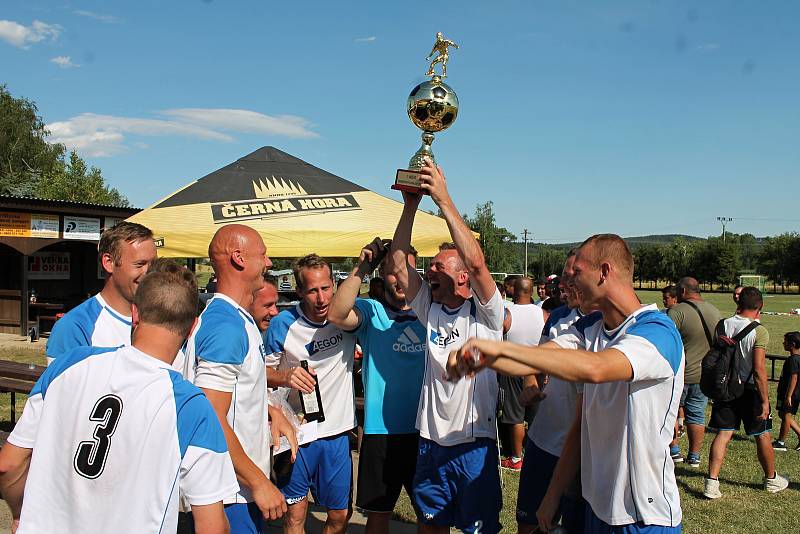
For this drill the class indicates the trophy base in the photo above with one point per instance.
(408, 181)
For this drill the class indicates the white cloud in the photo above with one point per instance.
(369, 39)
(23, 36)
(242, 120)
(108, 19)
(104, 135)
(708, 47)
(65, 62)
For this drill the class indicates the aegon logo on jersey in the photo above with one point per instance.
(322, 344)
(443, 341)
(408, 342)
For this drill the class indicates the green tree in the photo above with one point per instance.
(497, 242)
(776, 260)
(30, 166)
(26, 158)
(647, 259)
(546, 261)
(79, 184)
(728, 262)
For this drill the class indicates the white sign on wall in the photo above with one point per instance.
(48, 266)
(87, 228)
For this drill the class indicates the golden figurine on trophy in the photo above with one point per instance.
(432, 106)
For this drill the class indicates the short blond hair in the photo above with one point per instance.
(167, 300)
(309, 261)
(608, 248)
(125, 232)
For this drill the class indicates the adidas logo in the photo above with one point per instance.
(408, 341)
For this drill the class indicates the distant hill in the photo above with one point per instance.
(659, 239)
(635, 241)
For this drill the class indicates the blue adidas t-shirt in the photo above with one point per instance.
(393, 344)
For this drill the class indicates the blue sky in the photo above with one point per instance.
(632, 117)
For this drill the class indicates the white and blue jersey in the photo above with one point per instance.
(116, 435)
(626, 470)
(91, 324)
(393, 343)
(225, 353)
(291, 338)
(453, 413)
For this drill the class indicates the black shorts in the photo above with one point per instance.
(511, 388)
(779, 406)
(386, 464)
(729, 415)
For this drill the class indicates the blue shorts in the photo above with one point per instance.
(595, 526)
(458, 485)
(694, 405)
(245, 518)
(537, 471)
(325, 467)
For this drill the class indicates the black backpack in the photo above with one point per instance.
(719, 378)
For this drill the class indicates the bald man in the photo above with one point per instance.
(224, 357)
(696, 320)
(630, 359)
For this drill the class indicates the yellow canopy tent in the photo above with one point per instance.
(296, 207)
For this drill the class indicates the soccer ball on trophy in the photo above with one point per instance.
(432, 106)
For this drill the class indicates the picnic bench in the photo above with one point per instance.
(17, 377)
(775, 358)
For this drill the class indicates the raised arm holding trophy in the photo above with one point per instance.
(432, 106)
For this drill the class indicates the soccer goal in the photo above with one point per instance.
(754, 280)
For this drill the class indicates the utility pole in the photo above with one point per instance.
(525, 267)
(724, 221)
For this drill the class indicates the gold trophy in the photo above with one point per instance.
(432, 106)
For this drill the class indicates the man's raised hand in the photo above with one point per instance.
(411, 199)
(433, 182)
(374, 252)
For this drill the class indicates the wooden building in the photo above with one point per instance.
(48, 257)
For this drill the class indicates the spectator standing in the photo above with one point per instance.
(508, 287)
(669, 297)
(523, 325)
(737, 292)
(286, 284)
(211, 286)
(789, 391)
(541, 291)
(752, 408)
(695, 319)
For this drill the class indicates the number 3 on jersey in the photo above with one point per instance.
(90, 458)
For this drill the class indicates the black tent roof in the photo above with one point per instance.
(236, 180)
